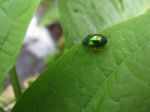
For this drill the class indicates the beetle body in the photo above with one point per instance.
(95, 41)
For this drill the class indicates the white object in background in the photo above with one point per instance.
(38, 39)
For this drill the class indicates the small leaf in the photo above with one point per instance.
(14, 20)
(115, 79)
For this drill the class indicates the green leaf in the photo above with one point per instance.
(82, 17)
(14, 20)
(113, 79)
(1, 110)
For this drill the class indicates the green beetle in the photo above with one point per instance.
(95, 41)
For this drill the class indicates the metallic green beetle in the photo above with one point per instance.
(95, 41)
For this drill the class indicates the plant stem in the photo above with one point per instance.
(15, 83)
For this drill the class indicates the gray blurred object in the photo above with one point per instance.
(37, 45)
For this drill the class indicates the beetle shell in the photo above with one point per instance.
(95, 41)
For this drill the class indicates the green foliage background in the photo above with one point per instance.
(115, 79)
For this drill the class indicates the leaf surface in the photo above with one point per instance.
(82, 17)
(113, 79)
(15, 16)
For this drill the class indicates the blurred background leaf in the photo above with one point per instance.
(51, 13)
(82, 17)
(1, 110)
(14, 21)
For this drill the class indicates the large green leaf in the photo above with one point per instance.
(81, 17)
(114, 79)
(14, 18)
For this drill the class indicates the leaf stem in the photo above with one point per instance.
(15, 83)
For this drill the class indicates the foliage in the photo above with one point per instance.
(14, 19)
(81, 17)
(113, 79)
(1, 110)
